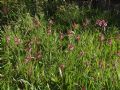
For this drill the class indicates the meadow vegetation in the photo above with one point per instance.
(76, 48)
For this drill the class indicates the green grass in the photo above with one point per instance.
(36, 58)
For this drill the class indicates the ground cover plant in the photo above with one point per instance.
(75, 49)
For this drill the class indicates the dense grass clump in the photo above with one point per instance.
(44, 55)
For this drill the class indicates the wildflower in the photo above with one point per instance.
(51, 22)
(78, 37)
(8, 39)
(61, 36)
(104, 23)
(38, 55)
(81, 53)
(118, 53)
(117, 37)
(86, 22)
(87, 63)
(70, 32)
(83, 88)
(28, 58)
(17, 40)
(28, 45)
(101, 64)
(36, 22)
(74, 25)
(36, 40)
(28, 49)
(5, 10)
(101, 37)
(98, 22)
(70, 47)
(101, 23)
(110, 41)
(49, 31)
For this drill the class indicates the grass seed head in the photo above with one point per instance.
(62, 67)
